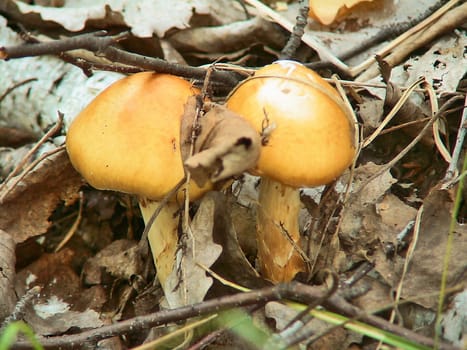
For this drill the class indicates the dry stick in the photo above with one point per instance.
(193, 137)
(291, 291)
(96, 42)
(227, 78)
(102, 46)
(207, 340)
(89, 66)
(452, 169)
(324, 53)
(446, 23)
(56, 128)
(289, 50)
(403, 125)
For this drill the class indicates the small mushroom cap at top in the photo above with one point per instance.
(128, 138)
(308, 132)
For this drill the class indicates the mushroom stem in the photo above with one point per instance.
(162, 236)
(278, 232)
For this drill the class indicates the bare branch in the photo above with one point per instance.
(292, 291)
(102, 45)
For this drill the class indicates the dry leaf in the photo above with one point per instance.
(188, 283)
(26, 208)
(373, 218)
(227, 38)
(54, 317)
(360, 217)
(327, 11)
(120, 259)
(226, 146)
(232, 264)
(423, 278)
(62, 303)
(143, 17)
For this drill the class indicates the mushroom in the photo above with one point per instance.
(308, 140)
(128, 139)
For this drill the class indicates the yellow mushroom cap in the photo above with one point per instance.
(128, 138)
(311, 139)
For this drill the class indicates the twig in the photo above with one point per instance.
(101, 45)
(288, 52)
(292, 291)
(452, 169)
(221, 77)
(206, 340)
(324, 53)
(403, 125)
(96, 42)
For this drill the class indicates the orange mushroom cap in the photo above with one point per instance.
(128, 138)
(311, 139)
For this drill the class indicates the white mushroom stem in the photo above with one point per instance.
(162, 236)
(278, 232)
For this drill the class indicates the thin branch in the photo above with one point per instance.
(101, 45)
(288, 52)
(96, 42)
(162, 66)
(292, 291)
(323, 52)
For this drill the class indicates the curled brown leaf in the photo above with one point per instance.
(227, 145)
